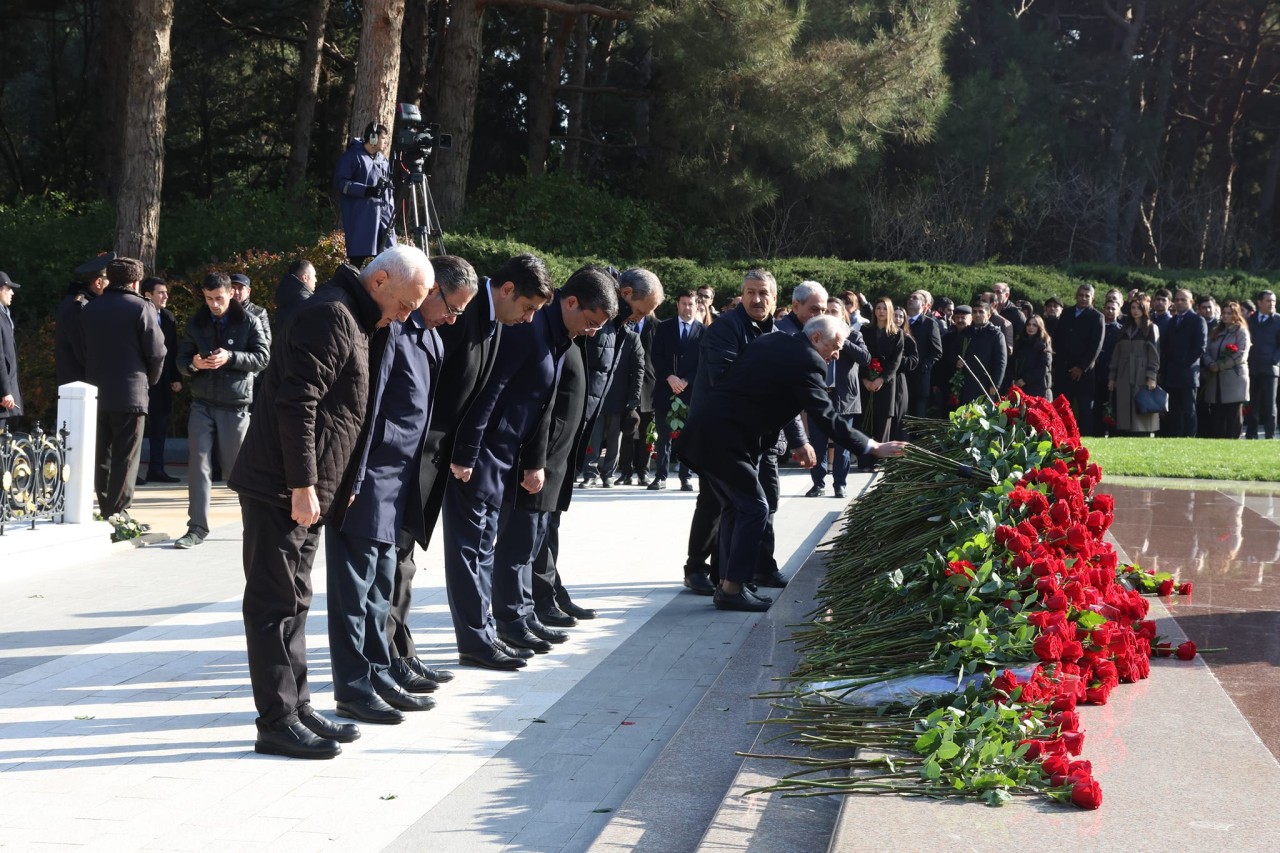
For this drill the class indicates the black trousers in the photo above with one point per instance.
(159, 405)
(399, 637)
(633, 458)
(119, 448)
(1080, 394)
(548, 589)
(704, 552)
(278, 554)
(1262, 406)
(744, 514)
(1181, 420)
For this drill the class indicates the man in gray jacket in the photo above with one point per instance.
(222, 350)
(1264, 356)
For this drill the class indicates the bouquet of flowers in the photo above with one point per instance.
(971, 603)
(1228, 355)
(677, 416)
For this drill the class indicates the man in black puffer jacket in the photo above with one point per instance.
(222, 350)
(314, 409)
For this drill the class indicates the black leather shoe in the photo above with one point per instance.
(605, 484)
(776, 580)
(815, 492)
(401, 700)
(525, 639)
(686, 486)
(326, 729)
(139, 482)
(161, 478)
(295, 741)
(577, 612)
(491, 659)
(371, 710)
(542, 631)
(439, 676)
(411, 681)
(751, 591)
(743, 601)
(512, 651)
(642, 480)
(839, 491)
(556, 618)
(657, 485)
(699, 584)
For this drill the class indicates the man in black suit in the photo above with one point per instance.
(487, 464)
(1182, 342)
(10, 396)
(1111, 311)
(643, 292)
(768, 385)
(983, 357)
(675, 359)
(511, 297)
(1077, 342)
(1007, 310)
(1160, 314)
(89, 283)
(1264, 367)
(160, 395)
(927, 333)
(722, 343)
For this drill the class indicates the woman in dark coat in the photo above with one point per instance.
(1033, 360)
(879, 384)
(910, 361)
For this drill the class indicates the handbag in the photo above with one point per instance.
(1151, 401)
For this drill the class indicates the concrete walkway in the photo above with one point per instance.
(126, 721)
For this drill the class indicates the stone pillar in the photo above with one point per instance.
(78, 409)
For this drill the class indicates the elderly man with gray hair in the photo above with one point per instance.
(808, 300)
(774, 379)
(289, 476)
(641, 291)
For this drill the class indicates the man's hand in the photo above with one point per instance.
(1076, 373)
(175, 387)
(676, 384)
(7, 402)
(463, 474)
(1151, 385)
(533, 480)
(876, 384)
(1213, 367)
(885, 449)
(806, 457)
(959, 364)
(1111, 385)
(305, 508)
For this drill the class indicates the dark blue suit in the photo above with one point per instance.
(1182, 341)
(506, 413)
(360, 553)
(1264, 356)
(672, 356)
(1077, 342)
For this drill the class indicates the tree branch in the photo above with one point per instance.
(635, 94)
(600, 143)
(329, 50)
(564, 8)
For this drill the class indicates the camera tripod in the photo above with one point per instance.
(418, 216)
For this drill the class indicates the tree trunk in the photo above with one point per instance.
(110, 95)
(576, 102)
(377, 64)
(414, 49)
(542, 106)
(1114, 243)
(460, 78)
(308, 91)
(142, 166)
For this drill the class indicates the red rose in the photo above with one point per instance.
(1186, 651)
(1048, 647)
(1074, 741)
(1055, 765)
(675, 433)
(1057, 601)
(1186, 588)
(1164, 650)
(1087, 794)
(1232, 348)
(1166, 587)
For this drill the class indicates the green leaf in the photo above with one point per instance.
(947, 751)
(931, 770)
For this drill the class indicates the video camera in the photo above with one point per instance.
(414, 139)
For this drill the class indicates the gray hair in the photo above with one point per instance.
(455, 275)
(926, 295)
(642, 283)
(401, 263)
(806, 290)
(761, 275)
(828, 326)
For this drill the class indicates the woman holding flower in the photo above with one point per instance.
(910, 361)
(1134, 364)
(884, 339)
(1225, 372)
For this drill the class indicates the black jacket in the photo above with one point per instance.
(9, 367)
(673, 357)
(68, 352)
(987, 355)
(1033, 364)
(124, 349)
(291, 293)
(260, 314)
(774, 379)
(230, 386)
(568, 411)
(314, 400)
(470, 346)
(645, 336)
(1077, 341)
(629, 392)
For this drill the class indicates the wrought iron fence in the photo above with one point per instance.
(33, 476)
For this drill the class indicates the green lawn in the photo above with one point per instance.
(1194, 458)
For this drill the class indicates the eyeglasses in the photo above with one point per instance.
(597, 327)
(453, 312)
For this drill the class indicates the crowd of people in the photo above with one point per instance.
(412, 394)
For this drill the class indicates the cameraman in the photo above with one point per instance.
(363, 181)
